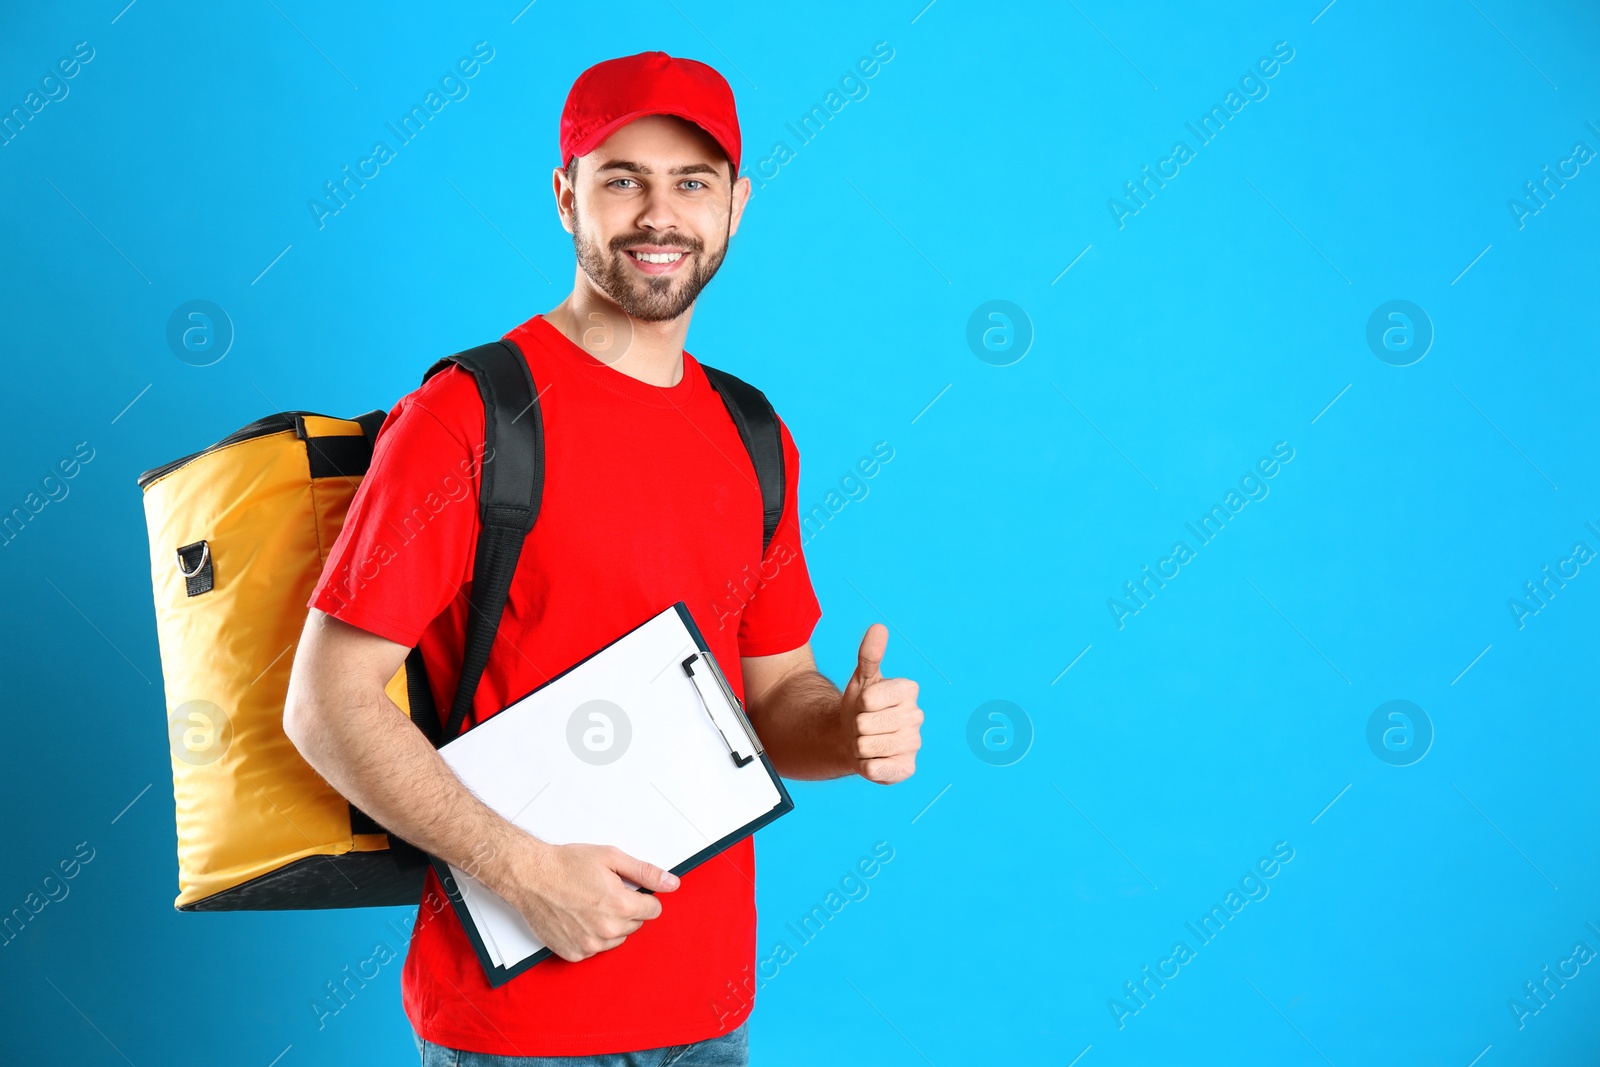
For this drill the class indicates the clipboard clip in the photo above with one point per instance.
(710, 697)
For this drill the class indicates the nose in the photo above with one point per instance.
(657, 212)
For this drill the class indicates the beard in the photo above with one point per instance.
(643, 297)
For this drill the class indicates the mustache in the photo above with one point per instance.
(691, 245)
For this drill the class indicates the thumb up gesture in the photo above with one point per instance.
(881, 720)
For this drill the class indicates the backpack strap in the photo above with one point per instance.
(758, 428)
(371, 423)
(511, 481)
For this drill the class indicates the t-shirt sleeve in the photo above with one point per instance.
(782, 614)
(409, 536)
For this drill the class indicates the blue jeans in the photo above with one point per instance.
(730, 1050)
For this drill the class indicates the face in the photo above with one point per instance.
(650, 211)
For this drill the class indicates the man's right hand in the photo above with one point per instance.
(575, 899)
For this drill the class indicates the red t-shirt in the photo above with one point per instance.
(649, 498)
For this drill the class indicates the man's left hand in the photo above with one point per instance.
(881, 722)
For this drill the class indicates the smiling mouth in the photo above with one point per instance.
(656, 257)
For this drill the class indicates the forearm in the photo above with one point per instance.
(800, 727)
(363, 744)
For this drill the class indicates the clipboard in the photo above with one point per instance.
(641, 745)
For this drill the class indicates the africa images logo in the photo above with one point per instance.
(1209, 126)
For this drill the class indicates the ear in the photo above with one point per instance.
(741, 197)
(565, 197)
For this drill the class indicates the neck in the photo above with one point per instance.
(649, 351)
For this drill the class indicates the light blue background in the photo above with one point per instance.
(1224, 317)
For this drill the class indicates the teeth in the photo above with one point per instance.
(657, 257)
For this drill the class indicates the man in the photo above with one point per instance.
(649, 498)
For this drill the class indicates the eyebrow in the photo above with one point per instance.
(639, 168)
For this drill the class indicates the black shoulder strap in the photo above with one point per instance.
(758, 428)
(511, 480)
(371, 423)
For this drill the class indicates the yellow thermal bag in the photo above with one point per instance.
(239, 533)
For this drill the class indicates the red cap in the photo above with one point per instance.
(609, 95)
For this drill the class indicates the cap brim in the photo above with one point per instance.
(597, 138)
